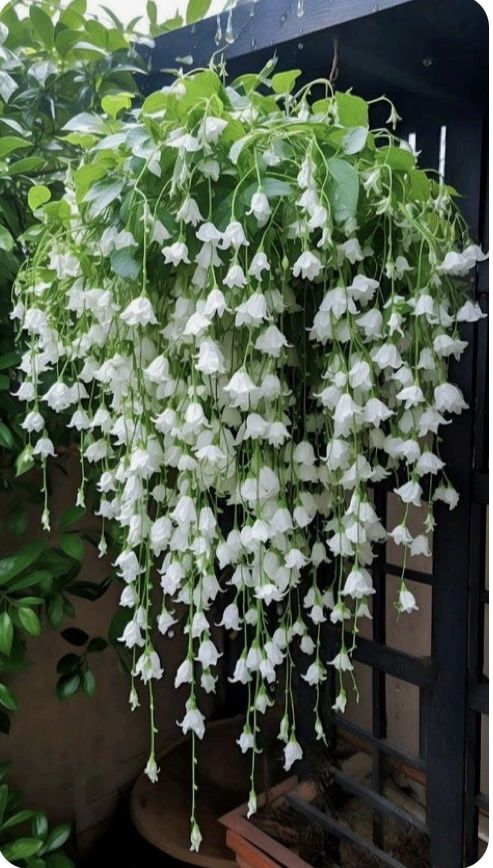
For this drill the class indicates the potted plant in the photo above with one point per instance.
(249, 305)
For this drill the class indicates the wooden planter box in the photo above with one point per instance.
(251, 846)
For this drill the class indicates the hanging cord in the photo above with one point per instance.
(334, 70)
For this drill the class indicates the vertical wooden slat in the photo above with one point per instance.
(475, 658)
(477, 566)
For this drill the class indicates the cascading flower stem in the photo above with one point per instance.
(246, 306)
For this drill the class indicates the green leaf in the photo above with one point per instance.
(56, 211)
(17, 661)
(12, 143)
(4, 767)
(17, 819)
(73, 546)
(197, 9)
(284, 82)
(247, 83)
(89, 682)
(67, 686)
(40, 824)
(7, 698)
(113, 104)
(322, 106)
(446, 188)
(169, 24)
(4, 795)
(355, 140)
(68, 663)
(151, 10)
(89, 590)
(13, 125)
(75, 636)
(85, 140)
(6, 633)
(274, 187)
(17, 521)
(68, 607)
(77, 6)
(89, 52)
(9, 360)
(42, 25)
(7, 85)
(117, 625)
(352, 110)
(27, 602)
(55, 610)
(72, 18)
(26, 165)
(70, 516)
(37, 196)
(155, 103)
(29, 581)
(6, 240)
(236, 149)
(88, 175)
(203, 84)
(58, 837)
(59, 860)
(397, 158)
(110, 142)
(343, 189)
(6, 437)
(29, 621)
(420, 184)
(24, 461)
(22, 848)
(96, 645)
(102, 195)
(26, 555)
(65, 41)
(85, 122)
(124, 264)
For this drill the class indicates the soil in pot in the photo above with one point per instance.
(324, 850)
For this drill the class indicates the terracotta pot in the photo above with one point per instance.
(251, 846)
(161, 812)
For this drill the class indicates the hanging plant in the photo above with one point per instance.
(247, 302)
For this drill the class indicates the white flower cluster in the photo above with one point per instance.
(226, 341)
